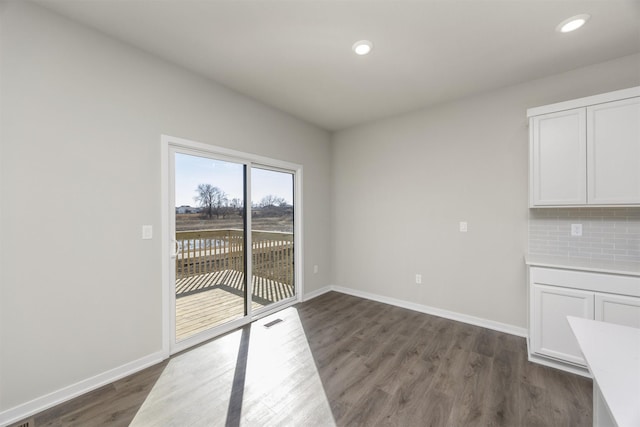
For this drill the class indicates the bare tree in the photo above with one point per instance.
(236, 203)
(237, 206)
(211, 199)
(205, 198)
(271, 200)
(220, 201)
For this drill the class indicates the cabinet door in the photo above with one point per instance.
(613, 152)
(558, 158)
(618, 309)
(550, 331)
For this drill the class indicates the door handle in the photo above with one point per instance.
(176, 249)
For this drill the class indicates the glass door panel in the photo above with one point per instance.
(272, 261)
(210, 286)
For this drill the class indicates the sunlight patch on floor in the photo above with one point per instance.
(252, 376)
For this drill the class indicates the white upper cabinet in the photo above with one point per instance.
(559, 158)
(586, 151)
(613, 152)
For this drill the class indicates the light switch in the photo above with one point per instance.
(463, 226)
(147, 232)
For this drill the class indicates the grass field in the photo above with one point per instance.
(190, 222)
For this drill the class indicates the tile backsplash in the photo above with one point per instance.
(611, 234)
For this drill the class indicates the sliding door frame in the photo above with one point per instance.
(171, 145)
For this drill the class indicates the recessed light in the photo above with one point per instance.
(573, 23)
(362, 47)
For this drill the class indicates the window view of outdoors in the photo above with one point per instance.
(210, 236)
(272, 236)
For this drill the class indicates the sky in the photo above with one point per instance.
(192, 171)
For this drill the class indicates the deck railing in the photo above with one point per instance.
(208, 251)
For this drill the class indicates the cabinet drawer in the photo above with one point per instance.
(597, 282)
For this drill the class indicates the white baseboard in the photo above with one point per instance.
(557, 364)
(47, 401)
(477, 321)
(50, 400)
(39, 404)
(317, 293)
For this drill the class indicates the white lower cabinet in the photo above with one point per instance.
(552, 335)
(618, 309)
(555, 294)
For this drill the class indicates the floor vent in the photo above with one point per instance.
(25, 423)
(272, 323)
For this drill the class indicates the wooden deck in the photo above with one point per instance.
(207, 300)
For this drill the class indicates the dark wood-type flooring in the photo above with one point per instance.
(345, 361)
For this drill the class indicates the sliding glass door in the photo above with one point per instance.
(232, 241)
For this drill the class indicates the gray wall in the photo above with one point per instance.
(401, 186)
(80, 173)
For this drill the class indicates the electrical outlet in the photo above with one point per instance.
(418, 279)
(315, 269)
(463, 226)
(576, 230)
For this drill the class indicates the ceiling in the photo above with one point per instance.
(296, 55)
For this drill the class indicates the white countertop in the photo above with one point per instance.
(611, 267)
(612, 353)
